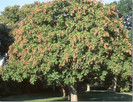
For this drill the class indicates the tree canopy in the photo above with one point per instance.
(66, 40)
(124, 7)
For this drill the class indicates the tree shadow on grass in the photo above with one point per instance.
(34, 97)
(104, 96)
(86, 96)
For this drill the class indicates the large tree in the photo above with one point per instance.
(66, 40)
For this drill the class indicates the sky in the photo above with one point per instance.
(5, 3)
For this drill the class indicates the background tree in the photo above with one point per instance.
(124, 10)
(12, 15)
(124, 7)
(5, 38)
(64, 41)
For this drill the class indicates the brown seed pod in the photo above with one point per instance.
(116, 70)
(116, 30)
(113, 6)
(85, 8)
(129, 51)
(110, 48)
(106, 34)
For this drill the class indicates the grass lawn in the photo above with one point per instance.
(86, 96)
(105, 96)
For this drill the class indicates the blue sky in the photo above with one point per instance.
(5, 3)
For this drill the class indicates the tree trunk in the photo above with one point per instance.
(63, 91)
(114, 84)
(69, 93)
(69, 97)
(53, 89)
(74, 97)
(88, 87)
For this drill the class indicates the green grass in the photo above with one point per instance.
(86, 96)
(34, 97)
(50, 99)
(105, 96)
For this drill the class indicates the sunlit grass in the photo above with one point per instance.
(49, 99)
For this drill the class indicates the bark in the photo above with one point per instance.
(114, 84)
(69, 93)
(74, 96)
(63, 91)
(69, 97)
(88, 87)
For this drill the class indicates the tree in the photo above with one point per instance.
(124, 10)
(12, 15)
(67, 40)
(5, 38)
(124, 7)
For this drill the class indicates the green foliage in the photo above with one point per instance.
(9, 19)
(125, 7)
(68, 40)
(10, 15)
(14, 14)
